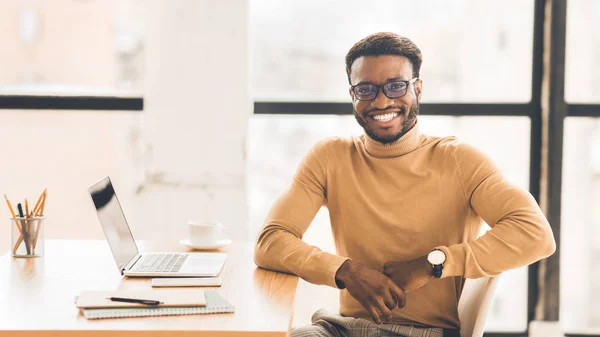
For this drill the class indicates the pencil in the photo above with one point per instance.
(12, 211)
(30, 226)
(41, 208)
(37, 233)
(37, 204)
(17, 244)
(39, 222)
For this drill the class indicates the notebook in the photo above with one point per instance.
(169, 298)
(215, 303)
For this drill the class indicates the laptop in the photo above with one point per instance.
(129, 260)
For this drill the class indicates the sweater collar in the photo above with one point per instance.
(409, 142)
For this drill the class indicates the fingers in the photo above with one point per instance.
(390, 300)
(398, 294)
(375, 313)
(384, 311)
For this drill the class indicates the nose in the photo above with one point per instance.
(381, 101)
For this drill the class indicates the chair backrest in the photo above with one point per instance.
(474, 304)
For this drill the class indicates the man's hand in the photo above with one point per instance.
(409, 275)
(373, 290)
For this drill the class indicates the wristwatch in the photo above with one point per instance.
(437, 258)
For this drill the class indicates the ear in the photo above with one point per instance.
(419, 88)
(351, 93)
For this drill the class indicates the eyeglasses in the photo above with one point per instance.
(393, 89)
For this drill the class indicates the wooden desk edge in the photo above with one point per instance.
(138, 333)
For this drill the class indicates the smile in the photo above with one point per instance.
(385, 118)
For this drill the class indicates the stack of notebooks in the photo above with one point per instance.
(96, 305)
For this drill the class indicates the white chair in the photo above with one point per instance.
(474, 304)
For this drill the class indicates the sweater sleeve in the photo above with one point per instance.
(279, 246)
(520, 233)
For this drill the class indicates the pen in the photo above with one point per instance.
(20, 210)
(24, 229)
(134, 300)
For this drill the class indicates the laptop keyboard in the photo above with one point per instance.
(160, 263)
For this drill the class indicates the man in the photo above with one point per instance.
(405, 210)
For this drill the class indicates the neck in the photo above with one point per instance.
(408, 142)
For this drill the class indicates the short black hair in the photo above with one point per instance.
(385, 43)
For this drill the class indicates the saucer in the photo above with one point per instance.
(215, 245)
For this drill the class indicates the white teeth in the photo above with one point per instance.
(386, 117)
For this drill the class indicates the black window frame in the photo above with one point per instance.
(64, 102)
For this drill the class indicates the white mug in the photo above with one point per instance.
(205, 232)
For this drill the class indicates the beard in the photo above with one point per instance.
(409, 121)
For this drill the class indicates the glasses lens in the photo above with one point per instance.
(395, 89)
(365, 91)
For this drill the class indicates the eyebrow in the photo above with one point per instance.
(386, 81)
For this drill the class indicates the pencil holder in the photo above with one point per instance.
(27, 236)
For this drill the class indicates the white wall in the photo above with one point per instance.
(195, 118)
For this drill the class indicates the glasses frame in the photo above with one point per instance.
(382, 88)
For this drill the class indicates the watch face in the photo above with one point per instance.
(436, 257)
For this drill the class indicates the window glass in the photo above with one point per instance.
(580, 226)
(582, 72)
(69, 47)
(474, 51)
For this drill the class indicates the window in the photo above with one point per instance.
(71, 55)
(582, 73)
(580, 213)
(473, 51)
(580, 230)
(71, 48)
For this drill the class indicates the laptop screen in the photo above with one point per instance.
(113, 222)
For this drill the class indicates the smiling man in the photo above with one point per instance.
(385, 117)
(405, 210)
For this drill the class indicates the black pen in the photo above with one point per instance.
(24, 229)
(134, 300)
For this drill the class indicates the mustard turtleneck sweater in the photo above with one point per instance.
(397, 202)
